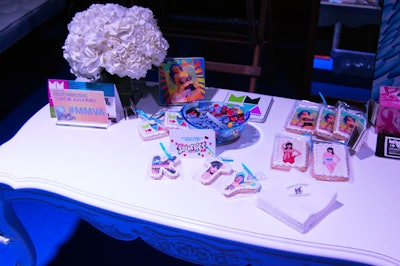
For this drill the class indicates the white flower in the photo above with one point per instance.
(123, 41)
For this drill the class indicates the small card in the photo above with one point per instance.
(192, 143)
(182, 80)
(258, 105)
(111, 98)
(388, 146)
(79, 107)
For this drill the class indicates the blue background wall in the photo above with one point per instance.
(387, 65)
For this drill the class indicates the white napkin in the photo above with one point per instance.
(300, 203)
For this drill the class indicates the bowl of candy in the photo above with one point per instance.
(227, 120)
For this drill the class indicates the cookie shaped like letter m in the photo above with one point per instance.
(241, 184)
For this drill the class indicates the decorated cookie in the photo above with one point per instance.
(303, 117)
(290, 152)
(173, 119)
(242, 184)
(150, 129)
(346, 120)
(214, 169)
(164, 167)
(325, 122)
(330, 162)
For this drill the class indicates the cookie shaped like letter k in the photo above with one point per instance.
(165, 167)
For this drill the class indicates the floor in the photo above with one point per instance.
(62, 238)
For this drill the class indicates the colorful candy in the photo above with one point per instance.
(226, 116)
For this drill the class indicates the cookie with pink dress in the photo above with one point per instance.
(290, 152)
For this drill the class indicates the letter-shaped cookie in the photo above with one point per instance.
(241, 184)
(166, 167)
(214, 169)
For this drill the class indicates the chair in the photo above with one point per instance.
(230, 22)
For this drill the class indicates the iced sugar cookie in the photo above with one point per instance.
(346, 120)
(173, 119)
(290, 153)
(150, 129)
(330, 162)
(167, 167)
(214, 169)
(303, 118)
(242, 185)
(325, 122)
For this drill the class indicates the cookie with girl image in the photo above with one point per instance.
(303, 118)
(330, 162)
(290, 153)
(346, 120)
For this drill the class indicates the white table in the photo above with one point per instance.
(102, 176)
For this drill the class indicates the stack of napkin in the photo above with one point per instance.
(300, 203)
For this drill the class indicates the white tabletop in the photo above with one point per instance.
(108, 168)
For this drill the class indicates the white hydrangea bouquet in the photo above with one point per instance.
(122, 41)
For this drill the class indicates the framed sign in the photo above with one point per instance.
(110, 95)
(182, 80)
